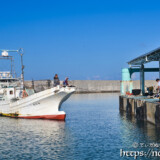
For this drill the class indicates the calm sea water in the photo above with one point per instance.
(94, 129)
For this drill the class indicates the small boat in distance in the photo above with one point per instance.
(18, 102)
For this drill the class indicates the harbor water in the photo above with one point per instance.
(94, 129)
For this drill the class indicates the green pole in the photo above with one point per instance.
(125, 83)
(142, 81)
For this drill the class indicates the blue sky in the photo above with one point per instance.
(82, 39)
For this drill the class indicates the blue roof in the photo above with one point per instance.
(148, 57)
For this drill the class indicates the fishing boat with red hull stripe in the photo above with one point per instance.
(18, 102)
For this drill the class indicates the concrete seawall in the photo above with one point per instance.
(87, 86)
(93, 86)
(82, 86)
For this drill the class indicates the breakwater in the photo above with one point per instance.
(87, 86)
(82, 86)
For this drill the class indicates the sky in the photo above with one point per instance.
(79, 39)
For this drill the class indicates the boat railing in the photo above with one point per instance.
(35, 96)
(40, 95)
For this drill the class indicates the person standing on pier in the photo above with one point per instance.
(158, 88)
(56, 80)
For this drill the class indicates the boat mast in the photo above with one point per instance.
(20, 52)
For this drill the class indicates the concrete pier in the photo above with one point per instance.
(142, 108)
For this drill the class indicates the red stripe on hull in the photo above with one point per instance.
(54, 117)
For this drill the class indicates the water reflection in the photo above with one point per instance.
(138, 131)
(31, 138)
(94, 129)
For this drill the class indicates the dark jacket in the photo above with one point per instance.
(56, 81)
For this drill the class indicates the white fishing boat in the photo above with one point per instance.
(18, 102)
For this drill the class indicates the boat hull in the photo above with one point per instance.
(42, 105)
(60, 117)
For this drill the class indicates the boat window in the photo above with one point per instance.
(11, 92)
